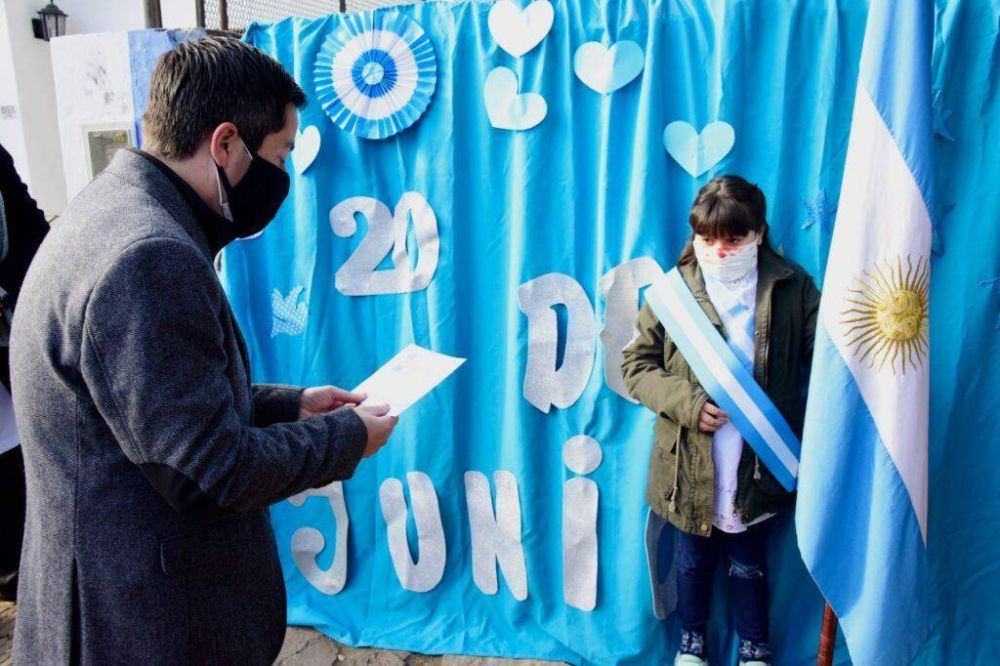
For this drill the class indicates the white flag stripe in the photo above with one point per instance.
(728, 381)
(882, 216)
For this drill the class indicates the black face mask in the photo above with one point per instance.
(254, 202)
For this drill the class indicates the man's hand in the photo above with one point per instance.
(379, 425)
(322, 399)
(711, 418)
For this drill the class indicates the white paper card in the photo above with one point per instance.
(408, 376)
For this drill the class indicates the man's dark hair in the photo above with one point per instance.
(205, 82)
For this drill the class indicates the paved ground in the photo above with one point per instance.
(305, 647)
(310, 648)
(6, 632)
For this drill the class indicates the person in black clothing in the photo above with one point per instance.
(22, 228)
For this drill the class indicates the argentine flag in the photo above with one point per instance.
(862, 508)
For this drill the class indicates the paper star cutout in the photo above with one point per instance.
(820, 212)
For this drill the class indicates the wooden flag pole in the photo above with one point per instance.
(827, 637)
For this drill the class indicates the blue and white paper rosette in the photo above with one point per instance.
(376, 73)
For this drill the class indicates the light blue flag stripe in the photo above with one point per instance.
(896, 72)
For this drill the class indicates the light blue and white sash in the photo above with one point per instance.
(725, 377)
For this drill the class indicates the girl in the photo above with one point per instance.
(703, 477)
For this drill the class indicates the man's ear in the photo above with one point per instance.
(223, 143)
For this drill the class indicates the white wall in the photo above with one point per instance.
(93, 87)
(26, 81)
(39, 158)
(11, 135)
(178, 13)
(87, 16)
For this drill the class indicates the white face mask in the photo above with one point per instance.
(735, 265)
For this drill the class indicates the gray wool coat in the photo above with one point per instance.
(151, 459)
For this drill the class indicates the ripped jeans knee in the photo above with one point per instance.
(738, 569)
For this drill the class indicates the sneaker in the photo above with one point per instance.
(754, 654)
(685, 659)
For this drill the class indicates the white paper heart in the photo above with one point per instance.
(307, 145)
(606, 69)
(506, 108)
(517, 30)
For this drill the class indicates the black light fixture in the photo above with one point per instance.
(51, 22)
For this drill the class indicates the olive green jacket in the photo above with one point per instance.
(681, 486)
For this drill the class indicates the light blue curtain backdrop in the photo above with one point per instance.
(586, 190)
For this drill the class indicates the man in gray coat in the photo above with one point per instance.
(151, 459)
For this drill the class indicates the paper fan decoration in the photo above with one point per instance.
(376, 73)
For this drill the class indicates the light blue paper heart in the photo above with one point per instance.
(697, 153)
(506, 108)
(606, 69)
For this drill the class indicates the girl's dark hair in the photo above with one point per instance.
(726, 207)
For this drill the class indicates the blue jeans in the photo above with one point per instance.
(747, 566)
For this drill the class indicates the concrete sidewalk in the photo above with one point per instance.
(7, 612)
(305, 647)
(309, 647)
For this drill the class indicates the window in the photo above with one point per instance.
(101, 143)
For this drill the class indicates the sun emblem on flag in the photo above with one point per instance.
(886, 318)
